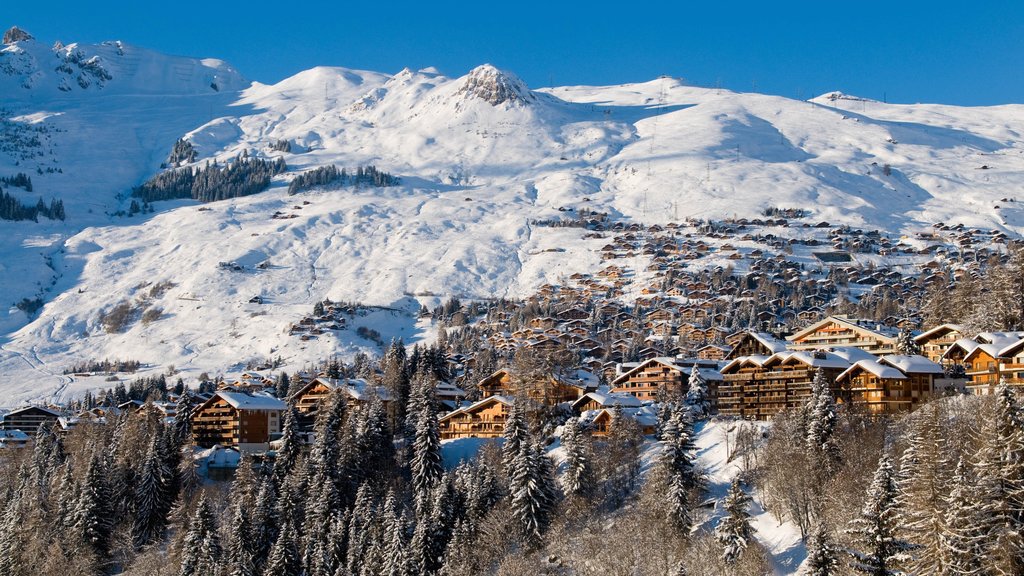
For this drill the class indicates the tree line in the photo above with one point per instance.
(330, 175)
(12, 209)
(242, 176)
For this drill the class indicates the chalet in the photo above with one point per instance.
(844, 331)
(483, 419)
(713, 352)
(548, 390)
(759, 387)
(889, 385)
(935, 342)
(237, 419)
(600, 422)
(29, 419)
(751, 343)
(603, 398)
(647, 378)
(307, 399)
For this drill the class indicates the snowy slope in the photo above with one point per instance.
(480, 157)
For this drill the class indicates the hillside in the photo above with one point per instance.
(481, 159)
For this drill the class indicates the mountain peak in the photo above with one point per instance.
(495, 86)
(15, 34)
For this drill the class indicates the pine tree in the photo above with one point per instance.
(515, 434)
(822, 553)
(183, 418)
(923, 485)
(531, 496)
(960, 549)
(426, 465)
(284, 557)
(287, 455)
(150, 493)
(579, 474)
(93, 510)
(1000, 484)
(875, 529)
(677, 467)
(201, 551)
(905, 343)
(360, 529)
(240, 551)
(734, 531)
(821, 419)
(264, 523)
(396, 554)
(697, 394)
(282, 386)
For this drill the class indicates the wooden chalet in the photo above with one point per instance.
(842, 331)
(759, 387)
(483, 419)
(889, 385)
(28, 419)
(600, 425)
(307, 399)
(237, 419)
(751, 343)
(602, 399)
(647, 378)
(935, 342)
(548, 390)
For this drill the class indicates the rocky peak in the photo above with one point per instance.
(496, 86)
(16, 34)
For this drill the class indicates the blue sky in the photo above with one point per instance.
(910, 51)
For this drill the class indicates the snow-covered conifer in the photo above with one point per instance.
(734, 531)
(201, 551)
(284, 557)
(879, 552)
(579, 473)
(150, 492)
(697, 394)
(822, 553)
(821, 420)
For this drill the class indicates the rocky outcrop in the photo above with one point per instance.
(16, 34)
(496, 86)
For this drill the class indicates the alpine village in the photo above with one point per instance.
(613, 390)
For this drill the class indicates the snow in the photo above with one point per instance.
(912, 364)
(874, 367)
(456, 451)
(245, 401)
(475, 176)
(781, 540)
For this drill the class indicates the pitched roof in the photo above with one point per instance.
(912, 364)
(938, 329)
(604, 397)
(858, 324)
(246, 401)
(874, 367)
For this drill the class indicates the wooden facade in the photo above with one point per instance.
(935, 342)
(546, 390)
(759, 388)
(840, 331)
(29, 419)
(484, 419)
(644, 381)
(237, 419)
(881, 389)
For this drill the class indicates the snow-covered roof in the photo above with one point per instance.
(606, 398)
(940, 328)
(851, 354)
(13, 436)
(496, 398)
(246, 401)
(357, 388)
(770, 342)
(992, 350)
(757, 360)
(999, 339)
(873, 366)
(27, 408)
(912, 364)
(812, 358)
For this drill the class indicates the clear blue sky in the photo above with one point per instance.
(966, 53)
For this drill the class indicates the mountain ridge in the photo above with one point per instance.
(482, 159)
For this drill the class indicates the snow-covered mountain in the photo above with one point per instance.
(480, 157)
